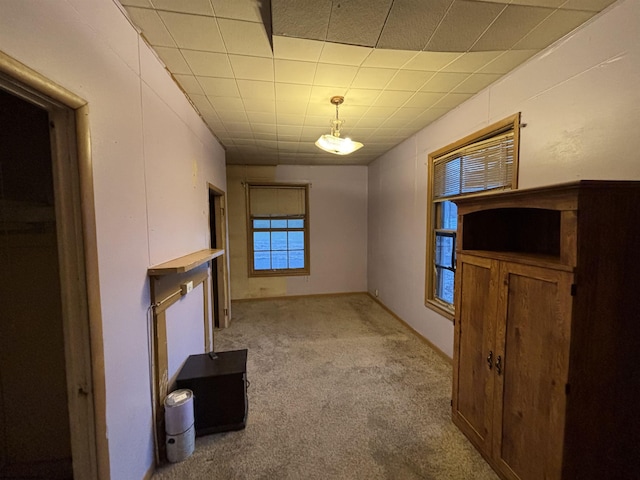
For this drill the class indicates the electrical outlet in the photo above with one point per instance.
(186, 287)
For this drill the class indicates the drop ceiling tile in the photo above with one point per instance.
(232, 116)
(471, 61)
(408, 113)
(289, 139)
(328, 75)
(323, 94)
(388, 58)
(252, 68)
(424, 99)
(290, 119)
(360, 96)
(290, 92)
(153, 29)
(261, 117)
(256, 89)
(202, 103)
(286, 48)
(409, 80)
(373, 78)
(245, 38)
(380, 112)
(312, 133)
(358, 22)
(267, 144)
(197, 7)
(392, 98)
(302, 18)
(270, 137)
(173, 60)
(260, 105)
(290, 108)
(554, 27)
(194, 32)
(208, 64)
(265, 128)
(226, 104)
(476, 82)
(219, 87)
(352, 112)
(293, 71)
(433, 114)
(444, 82)
(245, 142)
(507, 61)
(514, 22)
(592, 5)
(249, 11)
(341, 54)
(452, 100)
(189, 84)
(462, 25)
(411, 23)
(136, 3)
(318, 121)
(431, 61)
(539, 3)
(239, 129)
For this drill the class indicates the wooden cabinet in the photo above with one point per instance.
(546, 379)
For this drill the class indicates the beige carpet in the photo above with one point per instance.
(339, 390)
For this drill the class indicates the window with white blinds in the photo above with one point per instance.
(485, 161)
(479, 166)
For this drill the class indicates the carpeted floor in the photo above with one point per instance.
(339, 390)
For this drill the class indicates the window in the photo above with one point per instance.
(278, 229)
(486, 161)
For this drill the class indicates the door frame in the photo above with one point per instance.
(78, 259)
(221, 262)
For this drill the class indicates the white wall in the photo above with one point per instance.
(581, 102)
(338, 230)
(152, 158)
(338, 210)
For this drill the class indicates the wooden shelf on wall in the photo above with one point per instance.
(184, 264)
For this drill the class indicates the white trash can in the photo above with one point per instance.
(179, 425)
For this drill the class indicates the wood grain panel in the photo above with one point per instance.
(474, 340)
(530, 391)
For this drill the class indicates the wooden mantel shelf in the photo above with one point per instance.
(184, 264)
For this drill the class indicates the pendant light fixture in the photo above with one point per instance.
(333, 142)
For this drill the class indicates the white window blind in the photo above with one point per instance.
(276, 201)
(482, 165)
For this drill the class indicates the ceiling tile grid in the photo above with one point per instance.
(261, 74)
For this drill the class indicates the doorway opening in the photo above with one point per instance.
(218, 235)
(51, 397)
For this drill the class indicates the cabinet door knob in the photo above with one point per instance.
(490, 359)
(499, 365)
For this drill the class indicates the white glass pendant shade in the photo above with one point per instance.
(339, 146)
(333, 142)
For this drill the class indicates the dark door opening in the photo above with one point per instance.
(213, 243)
(34, 421)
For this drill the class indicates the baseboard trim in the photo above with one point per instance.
(412, 330)
(309, 295)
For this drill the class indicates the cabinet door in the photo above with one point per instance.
(532, 344)
(476, 301)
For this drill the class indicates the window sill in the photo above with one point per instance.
(439, 308)
(279, 273)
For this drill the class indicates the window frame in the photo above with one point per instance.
(511, 123)
(282, 272)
